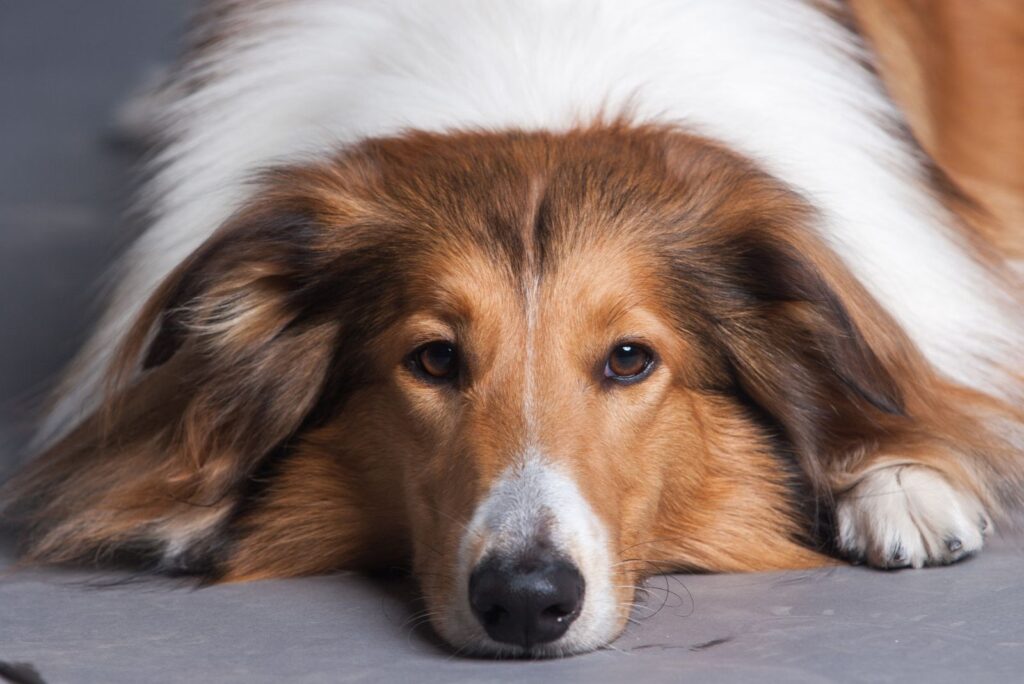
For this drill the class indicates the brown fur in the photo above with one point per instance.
(955, 69)
(264, 405)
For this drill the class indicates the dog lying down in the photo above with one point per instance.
(539, 298)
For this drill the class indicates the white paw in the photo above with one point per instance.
(908, 515)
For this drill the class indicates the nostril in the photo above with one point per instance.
(494, 615)
(559, 612)
(526, 603)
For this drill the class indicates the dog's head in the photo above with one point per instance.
(541, 366)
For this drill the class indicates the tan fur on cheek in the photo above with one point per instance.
(335, 503)
(732, 509)
(697, 490)
(314, 519)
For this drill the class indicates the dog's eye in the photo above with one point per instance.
(629, 362)
(437, 360)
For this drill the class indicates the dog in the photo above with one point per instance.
(540, 299)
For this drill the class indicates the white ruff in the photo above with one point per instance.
(775, 80)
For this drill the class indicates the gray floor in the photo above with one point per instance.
(63, 67)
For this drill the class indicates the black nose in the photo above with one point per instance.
(526, 602)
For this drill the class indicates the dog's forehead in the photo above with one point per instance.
(505, 234)
(530, 203)
(595, 285)
(534, 182)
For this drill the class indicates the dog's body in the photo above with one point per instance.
(406, 337)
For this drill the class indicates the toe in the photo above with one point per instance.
(909, 516)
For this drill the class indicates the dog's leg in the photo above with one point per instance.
(905, 513)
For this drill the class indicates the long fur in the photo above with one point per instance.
(728, 177)
(275, 82)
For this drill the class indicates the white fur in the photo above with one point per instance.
(909, 516)
(180, 532)
(776, 80)
(534, 494)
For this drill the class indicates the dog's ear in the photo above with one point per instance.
(248, 351)
(227, 360)
(797, 352)
(790, 343)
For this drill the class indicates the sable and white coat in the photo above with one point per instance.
(783, 84)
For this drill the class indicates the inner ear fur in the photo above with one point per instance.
(224, 364)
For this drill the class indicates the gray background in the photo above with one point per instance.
(64, 180)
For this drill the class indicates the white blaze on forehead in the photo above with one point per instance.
(531, 305)
(529, 367)
(536, 502)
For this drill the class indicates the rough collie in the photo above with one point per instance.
(540, 298)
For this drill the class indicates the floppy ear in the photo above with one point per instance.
(234, 321)
(795, 351)
(225, 362)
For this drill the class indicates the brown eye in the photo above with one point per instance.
(437, 360)
(629, 362)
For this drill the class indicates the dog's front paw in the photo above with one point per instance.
(908, 515)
